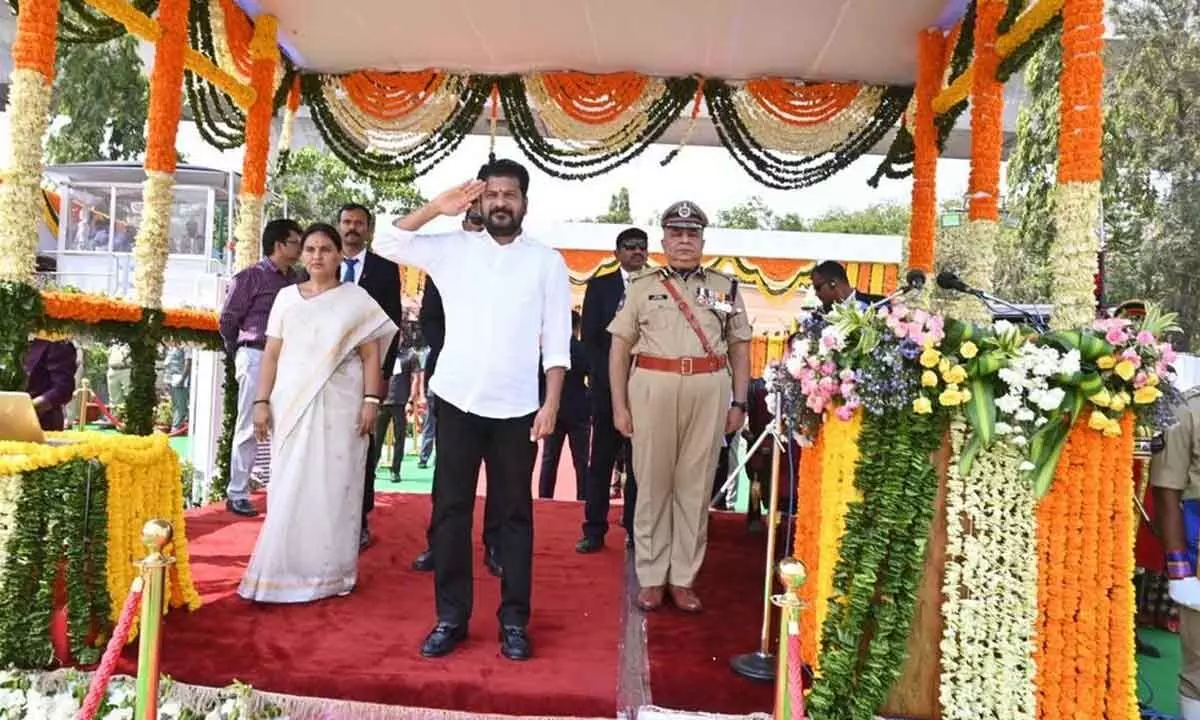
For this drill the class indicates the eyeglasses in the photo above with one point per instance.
(633, 245)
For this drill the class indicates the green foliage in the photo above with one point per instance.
(103, 93)
(618, 209)
(59, 523)
(876, 579)
(878, 219)
(752, 214)
(229, 401)
(316, 184)
(22, 307)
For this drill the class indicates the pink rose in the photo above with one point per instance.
(1131, 355)
(1145, 337)
(1116, 336)
(816, 403)
(847, 389)
(920, 317)
(1168, 353)
(826, 384)
(828, 367)
(1139, 380)
(813, 362)
(845, 412)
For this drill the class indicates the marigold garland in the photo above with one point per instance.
(807, 545)
(89, 308)
(922, 230)
(248, 247)
(1086, 665)
(839, 459)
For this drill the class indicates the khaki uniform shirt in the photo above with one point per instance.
(650, 320)
(1177, 465)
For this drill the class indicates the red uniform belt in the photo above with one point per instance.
(683, 365)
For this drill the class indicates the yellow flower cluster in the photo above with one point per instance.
(1117, 402)
(143, 483)
(946, 373)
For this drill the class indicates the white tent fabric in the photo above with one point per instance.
(870, 41)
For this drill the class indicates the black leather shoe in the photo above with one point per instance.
(241, 507)
(514, 643)
(493, 563)
(443, 639)
(588, 545)
(364, 539)
(628, 542)
(424, 562)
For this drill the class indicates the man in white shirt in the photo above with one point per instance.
(507, 300)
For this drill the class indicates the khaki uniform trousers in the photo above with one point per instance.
(678, 424)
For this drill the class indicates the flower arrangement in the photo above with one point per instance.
(1137, 373)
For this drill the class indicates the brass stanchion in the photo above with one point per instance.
(792, 575)
(85, 395)
(760, 664)
(155, 536)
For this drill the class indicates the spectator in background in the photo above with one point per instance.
(50, 379)
(574, 422)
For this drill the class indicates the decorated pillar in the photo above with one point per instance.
(987, 138)
(21, 190)
(264, 52)
(1074, 259)
(923, 226)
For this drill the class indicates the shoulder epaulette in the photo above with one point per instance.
(644, 273)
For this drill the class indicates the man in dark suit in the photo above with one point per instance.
(573, 423)
(380, 277)
(432, 319)
(832, 285)
(50, 379)
(600, 303)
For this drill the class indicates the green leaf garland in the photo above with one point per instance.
(878, 573)
(22, 305)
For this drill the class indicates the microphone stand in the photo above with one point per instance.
(989, 298)
(884, 301)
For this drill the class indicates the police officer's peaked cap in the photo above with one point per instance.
(685, 214)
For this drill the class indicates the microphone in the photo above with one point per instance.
(915, 279)
(947, 280)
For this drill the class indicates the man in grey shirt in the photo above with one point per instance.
(243, 329)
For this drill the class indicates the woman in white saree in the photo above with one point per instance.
(317, 405)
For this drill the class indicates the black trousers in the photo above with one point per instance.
(606, 442)
(578, 433)
(466, 441)
(491, 515)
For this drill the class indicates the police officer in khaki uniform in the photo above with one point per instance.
(1175, 477)
(688, 330)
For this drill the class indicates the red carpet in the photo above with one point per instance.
(365, 646)
(689, 654)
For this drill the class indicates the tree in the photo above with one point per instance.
(750, 215)
(316, 184)
(881, 219)
(103, 93)
(618, 209)
(791, 222)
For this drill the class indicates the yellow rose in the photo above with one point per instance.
(1146, 395)
(944, 366)
(1102, 398)
(955, 375)
(1152, 380)
(922, 406)
(968, 350)
(928, 342)
(1106, 362)
(929, 378)
(1113, 429)
(965, 395)
(1125, 370)
(950, 397)
(930, 357)
(1120, 401)
(1098, 420)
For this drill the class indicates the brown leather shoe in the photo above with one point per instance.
(650, 598)
(686, 599)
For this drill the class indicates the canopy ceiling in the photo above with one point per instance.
(868, 41)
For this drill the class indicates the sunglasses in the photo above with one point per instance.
(634, 245)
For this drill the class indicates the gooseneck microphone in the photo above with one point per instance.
(915, 279)
(947, 280)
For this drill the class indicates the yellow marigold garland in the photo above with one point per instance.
(144, 483)
(838, 462)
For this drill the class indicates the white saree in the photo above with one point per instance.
(308, 546)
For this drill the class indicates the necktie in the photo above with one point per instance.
(348, 275)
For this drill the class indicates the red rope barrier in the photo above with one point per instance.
(795, 675)
(112, 653)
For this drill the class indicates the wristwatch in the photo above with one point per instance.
(739, 405)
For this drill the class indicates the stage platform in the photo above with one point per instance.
(595, 654)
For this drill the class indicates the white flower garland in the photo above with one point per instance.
(989, 589)
(151, 246)
(978, 266)
(10, 493)
(248, 230)
(21, 191)
(1074, 256)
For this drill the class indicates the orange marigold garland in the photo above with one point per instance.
(1121, 700)
(924, 194)
(265, 53)
(29, 107)
(806, 545)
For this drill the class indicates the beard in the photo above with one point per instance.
(503, 222)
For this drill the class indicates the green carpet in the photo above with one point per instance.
(1158, 678)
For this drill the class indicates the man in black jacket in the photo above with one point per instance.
(600, 303)
(380, 277)
(432, 318)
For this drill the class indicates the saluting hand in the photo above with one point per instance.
(456, 200)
